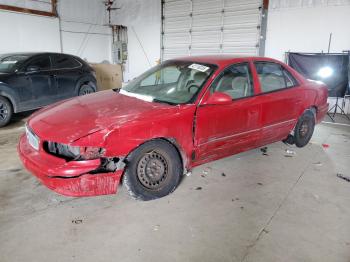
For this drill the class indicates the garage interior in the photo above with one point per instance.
(277, 203)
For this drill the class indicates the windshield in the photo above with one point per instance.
(173, 82)
(9, 63)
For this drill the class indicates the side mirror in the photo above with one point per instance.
(33, 68)
(219, 98)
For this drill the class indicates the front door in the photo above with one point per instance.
(222, 130)
(41, 83)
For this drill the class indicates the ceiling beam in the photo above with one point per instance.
(53, 12)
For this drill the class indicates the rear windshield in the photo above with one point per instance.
(10, 63)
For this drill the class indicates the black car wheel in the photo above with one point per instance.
(86, 89)
(304, 129)
(6, 111)
(154, 170)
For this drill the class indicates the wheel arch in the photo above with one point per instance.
(85, 80)
(313, 109)
(12, 100)
(290, 138)
(173, 142)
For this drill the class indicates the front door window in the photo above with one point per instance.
(236, 81)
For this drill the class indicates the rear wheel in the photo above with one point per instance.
(304, 129)
(153, 170)
(86, 89)
(6, 111)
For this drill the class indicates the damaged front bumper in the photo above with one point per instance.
(73, 178)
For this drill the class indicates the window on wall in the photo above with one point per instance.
(273, 76)
(236, 81)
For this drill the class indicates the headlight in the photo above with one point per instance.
(74, 152)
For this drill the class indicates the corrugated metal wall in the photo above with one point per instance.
(196, 27)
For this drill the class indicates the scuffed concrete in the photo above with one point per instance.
(264, 208)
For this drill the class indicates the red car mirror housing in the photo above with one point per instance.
(219, 98)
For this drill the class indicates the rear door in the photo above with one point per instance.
(222, 130)
(280, 101)
(68, 71)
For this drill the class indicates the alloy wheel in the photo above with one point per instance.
(85, 90)
(3, 111)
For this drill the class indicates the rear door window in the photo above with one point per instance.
(273, 77)
(65, 62)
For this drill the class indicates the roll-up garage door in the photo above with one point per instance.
(202, 27)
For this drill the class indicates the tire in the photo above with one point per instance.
(153, 170)
(304, 129)
(86, 88)
(6, 111)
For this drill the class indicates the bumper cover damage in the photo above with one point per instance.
(74, 178)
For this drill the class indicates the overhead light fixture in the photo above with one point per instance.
(325, 72)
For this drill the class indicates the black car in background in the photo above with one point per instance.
(33, 80)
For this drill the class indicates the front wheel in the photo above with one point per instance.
(6, 111)
(304, 129)
(153, 171)
(86, 89)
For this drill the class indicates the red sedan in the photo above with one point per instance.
(180, 114)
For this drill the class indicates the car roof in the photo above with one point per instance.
(29, 54)
(222, 60)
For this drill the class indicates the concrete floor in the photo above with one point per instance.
(264, 208)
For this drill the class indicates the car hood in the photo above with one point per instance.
(67, 121)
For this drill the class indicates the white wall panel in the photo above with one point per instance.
(85, 32)
(305, 26)
(287, 4)
(307, 30)
(90, 42)
(28, 33)
(88, 11)
(143, 20)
